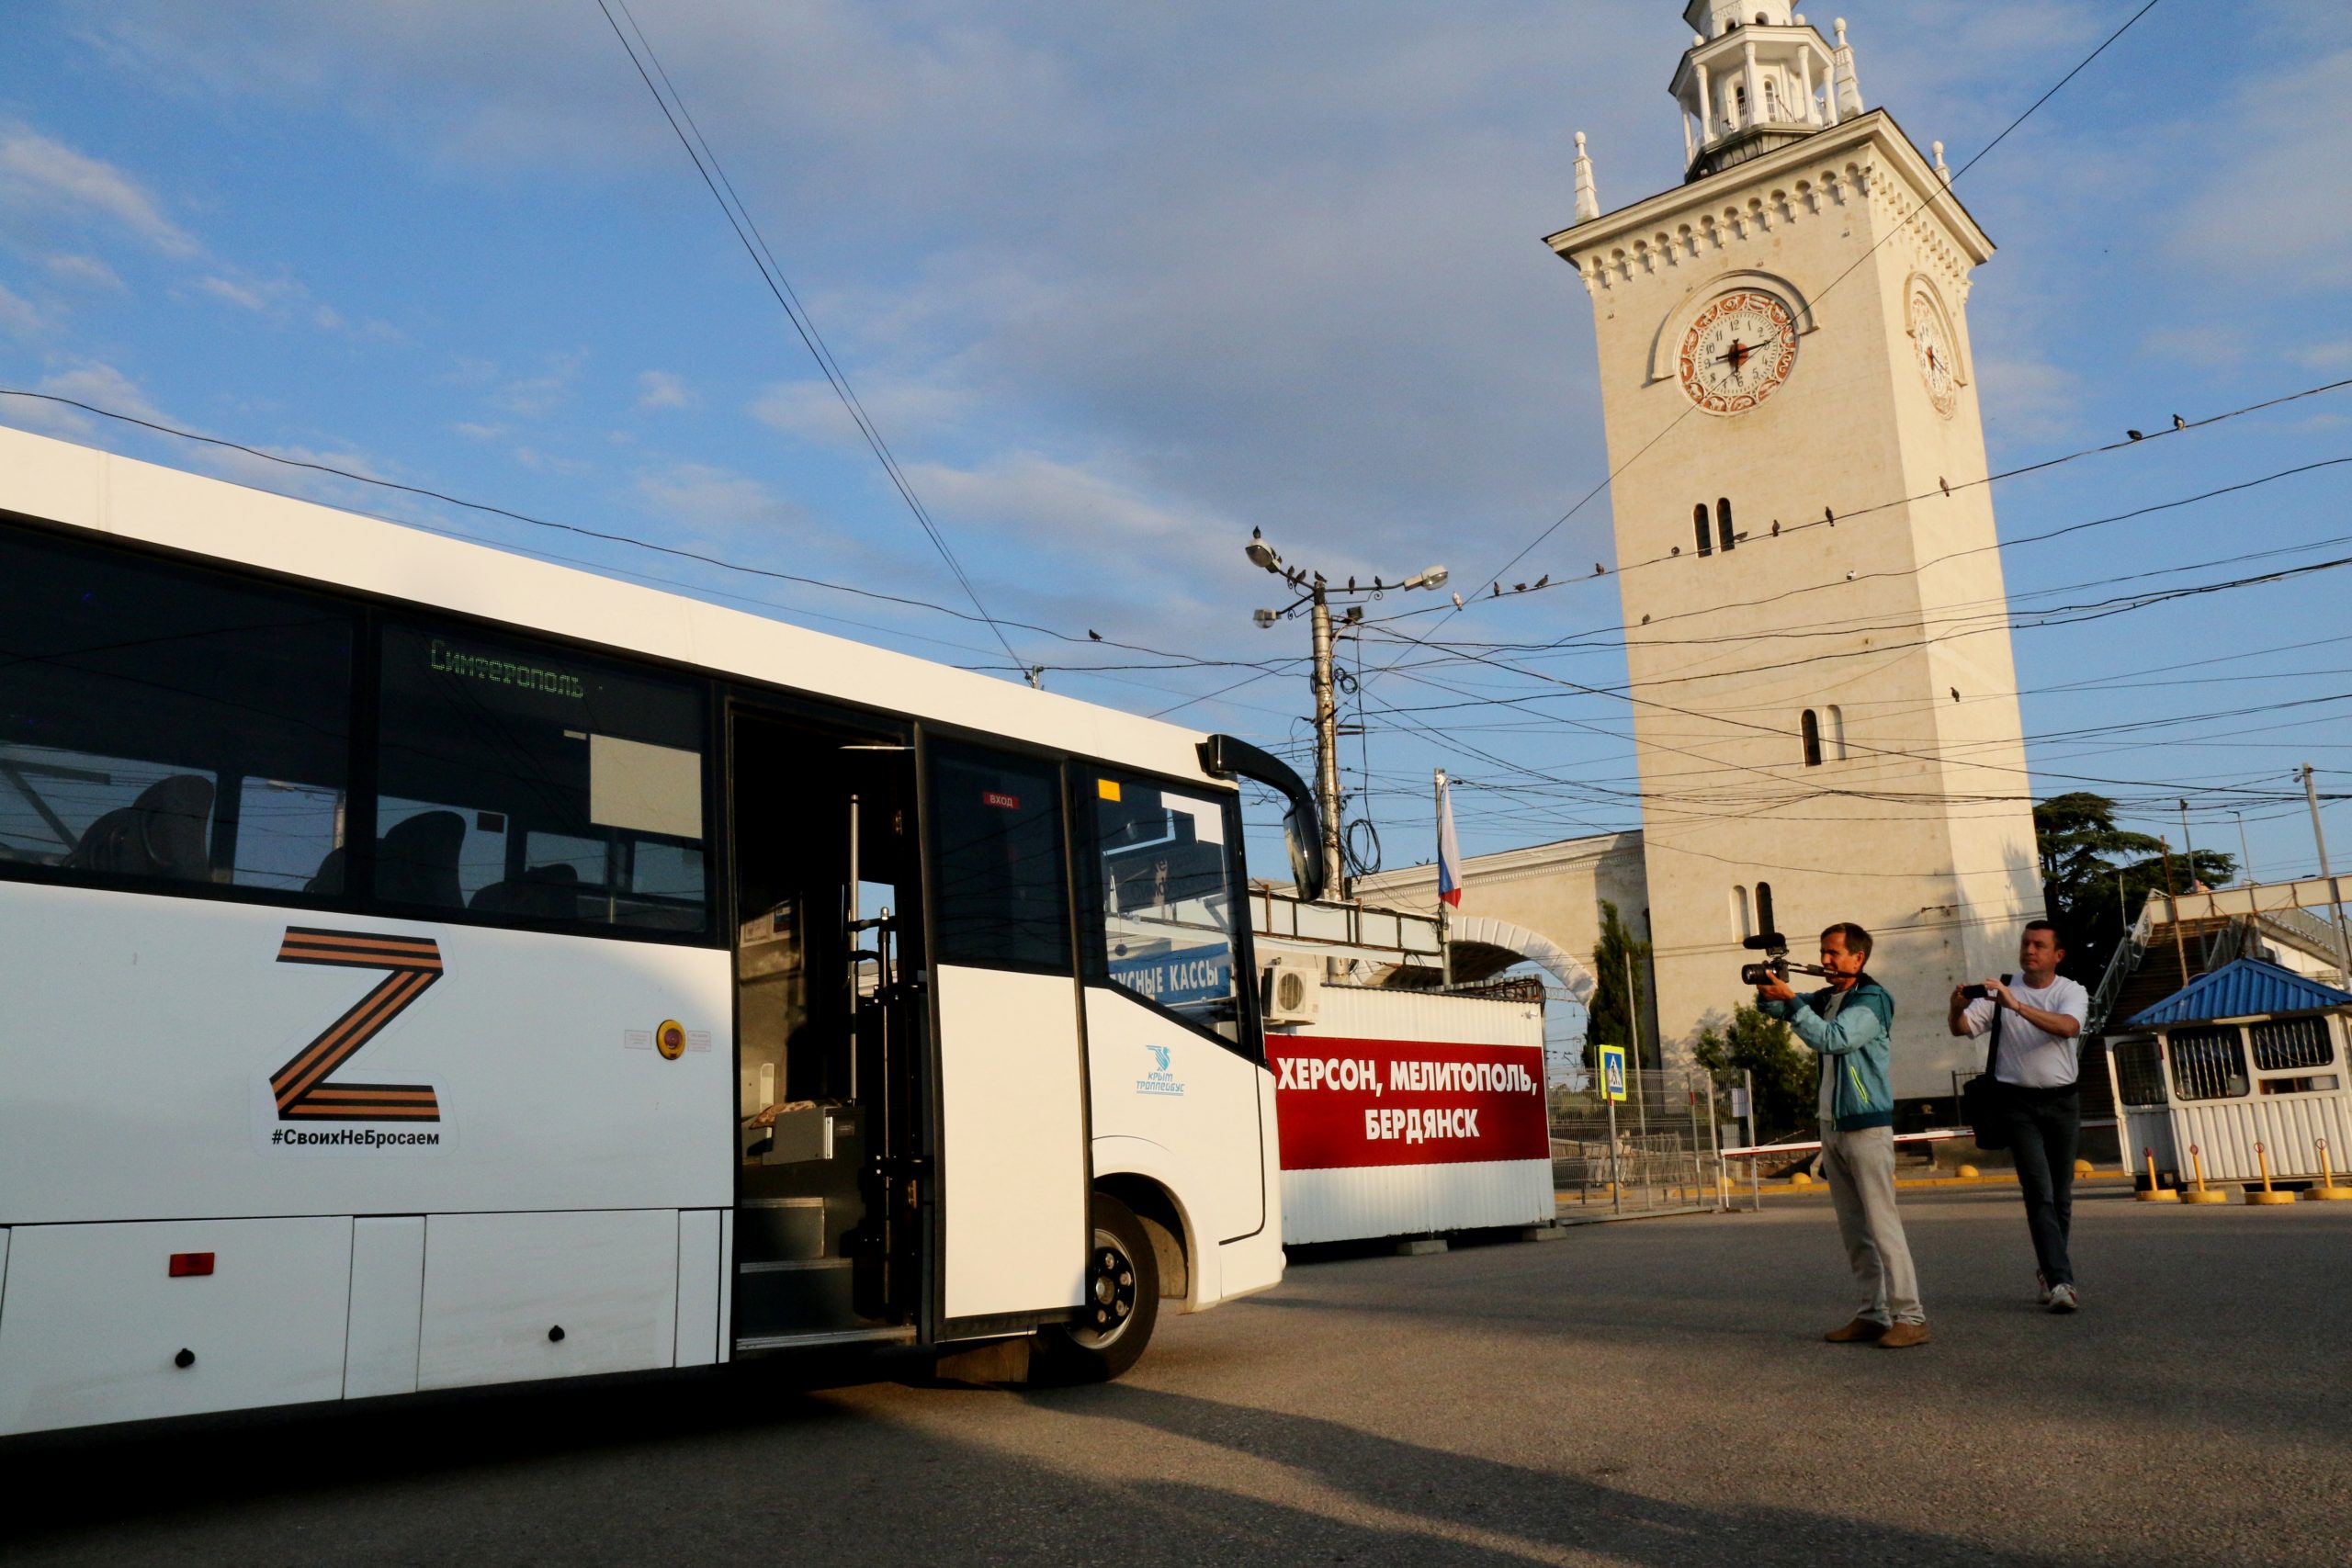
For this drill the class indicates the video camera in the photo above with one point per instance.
(1774, 946)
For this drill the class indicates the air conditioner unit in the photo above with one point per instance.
(1294, 989)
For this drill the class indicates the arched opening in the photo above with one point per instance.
(1811, 726)
(1724, 534)
(1836, 733)
(1699, 521)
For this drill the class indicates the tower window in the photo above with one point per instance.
(1811, 725)
(1743, 923)
(1836, 733)
(1699, 521)
(1723, 524)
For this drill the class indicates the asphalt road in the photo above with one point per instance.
(1652, 1393)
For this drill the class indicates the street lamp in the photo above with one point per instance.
(1315, 594)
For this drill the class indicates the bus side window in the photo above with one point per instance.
(999, 898)
(167, 725)
(1161, 903)
(531, 785)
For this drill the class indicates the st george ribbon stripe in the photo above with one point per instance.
(300, 1086)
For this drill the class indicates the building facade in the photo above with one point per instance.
(1823, 697)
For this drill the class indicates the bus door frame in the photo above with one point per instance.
(737, 700)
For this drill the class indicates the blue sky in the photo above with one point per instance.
(1118, 283)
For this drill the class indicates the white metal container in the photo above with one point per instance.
(1407, 1112)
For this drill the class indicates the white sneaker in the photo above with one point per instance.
(2061, 1298)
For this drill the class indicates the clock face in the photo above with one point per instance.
(1738, 351)
(1932, 348)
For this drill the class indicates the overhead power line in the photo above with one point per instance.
(755, 245)
(613, 536)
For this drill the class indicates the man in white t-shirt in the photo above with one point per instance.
(2038, 1015)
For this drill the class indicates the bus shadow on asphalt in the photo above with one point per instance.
(1462, 1508)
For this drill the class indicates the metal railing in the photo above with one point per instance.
(2121, 963)
(1658, 1153)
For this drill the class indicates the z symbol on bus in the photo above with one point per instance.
(305, 1087)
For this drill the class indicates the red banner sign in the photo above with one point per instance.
(1363, 1102)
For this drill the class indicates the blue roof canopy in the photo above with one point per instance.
(2247, 988)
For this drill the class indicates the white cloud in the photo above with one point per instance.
(2334, 354)
(84, 269)
(531, 396)
(1046, 502)
(244, 296)
(473, 432)
(2027, 393)
(661, 390)
(2272, 204)
(697, 495)
(46, 178)
(902, 409)
(17, 314)
(102, 386)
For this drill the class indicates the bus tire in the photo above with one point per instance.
(1122, 1302)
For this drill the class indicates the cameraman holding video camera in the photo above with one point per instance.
(2037, 1018)
(1848, 1024)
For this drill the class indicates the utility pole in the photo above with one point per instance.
(1444, 926)
(2187, 847)
(1314, 594)
(2246, 855)
(2335, 893)
(1326, 743)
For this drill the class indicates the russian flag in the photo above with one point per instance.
(1449, 850)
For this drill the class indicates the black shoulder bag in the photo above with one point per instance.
(1980, 1098)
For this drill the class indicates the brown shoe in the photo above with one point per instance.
(1903, 1336)
(1861, 1331)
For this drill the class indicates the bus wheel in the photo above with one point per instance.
(1121, 1306)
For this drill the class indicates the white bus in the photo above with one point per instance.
(424, 967)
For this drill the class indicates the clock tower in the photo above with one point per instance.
(1824, 699)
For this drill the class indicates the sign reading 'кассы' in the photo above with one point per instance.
(1367, 1103)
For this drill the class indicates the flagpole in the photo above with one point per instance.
(1444, 940)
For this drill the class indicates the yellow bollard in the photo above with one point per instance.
(1968, 1173)
(2264, 1194)
(2084, 1167)
(2154, 1193)
(2327, 1191)
(2200, 1193)
(1800, 1179)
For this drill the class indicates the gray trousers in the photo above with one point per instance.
(1860, 1169)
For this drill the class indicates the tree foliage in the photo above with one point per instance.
(1788, 1082)
(1610, 1014)
(2092, 871)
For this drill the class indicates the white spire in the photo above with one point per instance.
(1941, 172)
(1588, 203)
(1848, 90)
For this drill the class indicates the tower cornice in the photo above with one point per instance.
(1869, 147)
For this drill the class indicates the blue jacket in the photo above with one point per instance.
(1853, 1046)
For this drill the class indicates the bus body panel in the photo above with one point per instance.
(512, 1297)
(95, 1324)
(387, 1306)
(1154, 1079)
(139, 1037)
(1254, 1263)
(1014, 1154)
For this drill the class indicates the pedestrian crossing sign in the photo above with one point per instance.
(1612, 1072)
